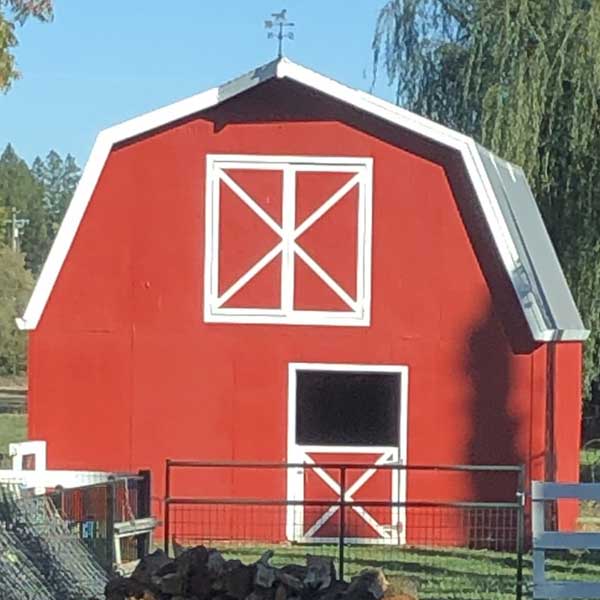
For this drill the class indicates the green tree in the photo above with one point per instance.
(59, 179)
(16, 284)
(20, 189)
(523, 78)
(13, 12)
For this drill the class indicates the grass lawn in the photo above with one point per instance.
(13, 428)
(441, 573)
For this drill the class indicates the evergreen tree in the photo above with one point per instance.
(16, 284)
(20, 189)
(59, 179)
(523, 78)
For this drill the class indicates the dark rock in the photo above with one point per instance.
(178, 549)
(297, 571)
(122, 588)
(220, 576)
(192, 562)
(289, 581)
(115, 589)
(262, 594)
(203, 574)
(281, 593)
(215, 563)
(172, 584)
(265, 575)
(336, 591)
(369, 584)
(200, 586)
(320, 572)
(292, 577)
(166, 569)
(238, 580)
(150, 565)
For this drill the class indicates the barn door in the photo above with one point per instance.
(350, 414)
(288, 240)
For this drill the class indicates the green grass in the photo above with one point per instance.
(441, 573)
(589, 461)
(13, 428)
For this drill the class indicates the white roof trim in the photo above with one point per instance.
(284, 68)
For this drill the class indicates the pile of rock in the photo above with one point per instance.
(204, 574)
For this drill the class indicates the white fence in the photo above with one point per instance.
(37, 477)
(552, 540)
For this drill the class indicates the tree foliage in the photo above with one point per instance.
(16, 283)
(58, 178)
(20, 189)
(40, 195)
(13, 12)
(523, 78)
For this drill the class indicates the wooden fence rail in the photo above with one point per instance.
(13, 400)
(552, 540)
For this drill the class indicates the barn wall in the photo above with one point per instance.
(124, 372)
(567, 424)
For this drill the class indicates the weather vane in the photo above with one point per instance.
(279, 22)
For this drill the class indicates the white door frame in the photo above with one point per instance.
(387, 454)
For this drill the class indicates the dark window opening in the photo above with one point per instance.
(347, 409)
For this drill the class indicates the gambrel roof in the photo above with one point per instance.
(504, 197)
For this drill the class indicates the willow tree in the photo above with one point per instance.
(14, 12)
(523, 78)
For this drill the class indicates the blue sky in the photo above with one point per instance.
(104, 61)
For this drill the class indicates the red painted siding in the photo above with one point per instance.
(124, 372)
(567, 425)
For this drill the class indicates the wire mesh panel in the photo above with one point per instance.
(241, 531)
(19, 577)
(454, 552)
(448, 535)
(91, 511)
(86, 513)
(52, 559)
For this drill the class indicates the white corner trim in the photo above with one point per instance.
(91, 174)
(285, 68)
(66, 233)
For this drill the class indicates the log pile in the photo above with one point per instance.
(204, 574)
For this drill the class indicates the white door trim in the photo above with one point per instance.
(357, 311)
(300, 454)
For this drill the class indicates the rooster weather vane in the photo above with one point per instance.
(279, 22)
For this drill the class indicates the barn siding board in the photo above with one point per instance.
(567, 425)
(125, 373)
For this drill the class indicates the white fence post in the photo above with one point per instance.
(553, 540)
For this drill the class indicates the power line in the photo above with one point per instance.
(16, 227)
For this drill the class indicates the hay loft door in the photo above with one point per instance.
(350, 414)
(288, 240)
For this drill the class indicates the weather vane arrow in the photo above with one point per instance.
(279, 23)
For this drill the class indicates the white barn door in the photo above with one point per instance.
(347, 414)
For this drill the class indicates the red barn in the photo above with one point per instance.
(287, 269)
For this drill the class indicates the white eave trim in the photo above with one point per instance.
(564, 335)
(91, 174)
(284, 68)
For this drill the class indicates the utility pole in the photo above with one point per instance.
(279, 22)
(16, 227)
